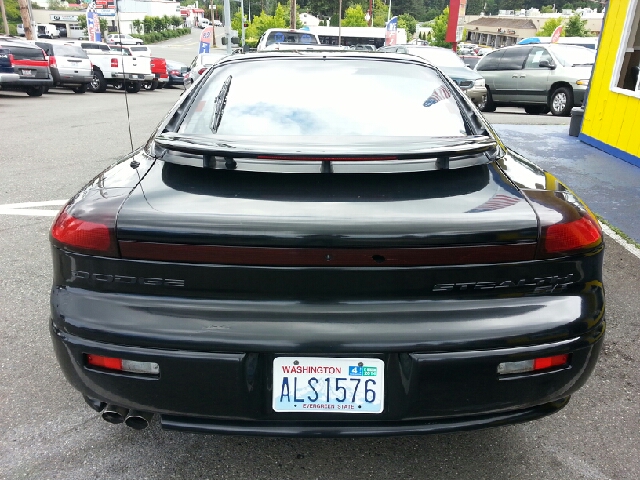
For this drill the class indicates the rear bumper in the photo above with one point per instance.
(71, 78)
(9, 77)
(134, 77)
(216, 361)
(476, 94)
(20, 83)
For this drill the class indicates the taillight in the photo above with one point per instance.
(83, 235)
(11, 60)
(570, 237)
(202, 70)
(52, 61)
(76, 234)
(122, 365)
(535, 365)
(114, 62)
(174, 72)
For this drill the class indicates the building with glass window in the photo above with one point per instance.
(612, 115)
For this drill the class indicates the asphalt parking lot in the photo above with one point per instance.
(49, 148)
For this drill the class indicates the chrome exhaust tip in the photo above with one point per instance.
(114, 414)
(138, 420)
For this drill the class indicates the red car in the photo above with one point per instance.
(159, 70)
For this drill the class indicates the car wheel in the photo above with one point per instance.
(98, 83)
(536, 109)
(35, 91)
(152, 85)
(561, 102)
(488, 105)
(133, 87)
(80, 89)
(161, 85)
(118, 85)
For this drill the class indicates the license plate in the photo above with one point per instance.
(336, 385)
(140, 76)
(27, 73)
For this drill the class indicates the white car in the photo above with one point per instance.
(217, 23)
(198, 66)
(286, 39)
(123, 39)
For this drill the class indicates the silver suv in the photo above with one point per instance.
(540, 78)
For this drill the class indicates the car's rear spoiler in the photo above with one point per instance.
(328, 154)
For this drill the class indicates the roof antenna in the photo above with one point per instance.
(124, 81)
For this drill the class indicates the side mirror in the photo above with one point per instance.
(546, 64)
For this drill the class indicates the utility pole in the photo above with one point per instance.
(292, 20)
(4, 18)
(371, 13)
(213, 17)
(339, 23)
(26, 20)
(227, 25)
(242, 26)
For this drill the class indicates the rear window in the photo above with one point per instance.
(490, 62)
(291, 37)
(68, 51)
(138, 49)
(330, 97)
(95, 46)
(25, 53)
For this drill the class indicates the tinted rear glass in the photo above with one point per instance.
(332, 97)
(26, 53)
(291, 37)
(95, 46)
(138, 49)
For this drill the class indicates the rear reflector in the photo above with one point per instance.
(121, 365)
(75, 233)
(326, 257)
(576, 235)
(114, 62)
(537, 364)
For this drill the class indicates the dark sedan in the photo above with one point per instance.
(176, 71)
(273, 263)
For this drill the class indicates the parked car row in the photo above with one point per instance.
(36, 66)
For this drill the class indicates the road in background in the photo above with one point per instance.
(50, 147)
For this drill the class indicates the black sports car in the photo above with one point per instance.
(286, 257)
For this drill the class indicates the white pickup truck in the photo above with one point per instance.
(117, 68)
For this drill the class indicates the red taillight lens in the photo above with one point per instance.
(550, 362)
(174, 72)
(52, 61)
(569, 237)
(114, 62)
(90, 237)
(202, 70)
(11, 59)
(105, 362)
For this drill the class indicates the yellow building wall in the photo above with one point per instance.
(612, 118)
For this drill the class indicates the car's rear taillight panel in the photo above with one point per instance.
(114, 62)
(567, 227)
(87, 223)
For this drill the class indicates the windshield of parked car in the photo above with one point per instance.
(291, 37)
(573, 55)
(440, 57)
(326, 97)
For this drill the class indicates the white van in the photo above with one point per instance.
(204, 22)
(47, 30)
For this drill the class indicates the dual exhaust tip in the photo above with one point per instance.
(114, 414)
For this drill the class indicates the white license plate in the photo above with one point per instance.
(27, 73)
(336, 385)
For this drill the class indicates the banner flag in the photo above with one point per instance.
(205, 40)
(391, 34)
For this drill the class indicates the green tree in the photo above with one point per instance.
(354, 17)
(176, 21)
(576, 27)
(567, 6)
(407, 22)
(148, 24)
(439, 30)
(380, 12)
(549, 27)
(491, 7)
(137, 26)
(547, 9)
